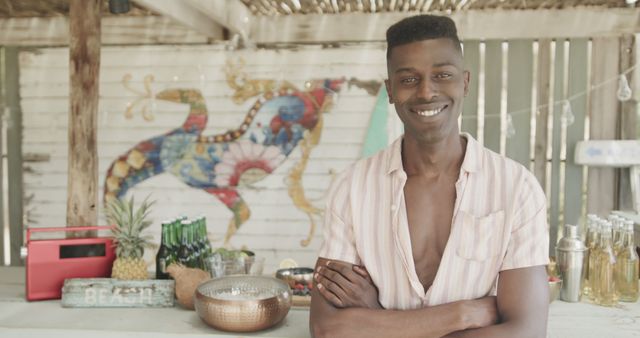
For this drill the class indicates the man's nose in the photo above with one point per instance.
(427, 90)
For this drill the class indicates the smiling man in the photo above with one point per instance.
(435, 235)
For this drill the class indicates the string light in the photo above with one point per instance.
(624, 91)
(511, 130)
(567, 118)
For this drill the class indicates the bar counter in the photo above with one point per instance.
(19, 318)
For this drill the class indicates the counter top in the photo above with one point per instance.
(19, 318)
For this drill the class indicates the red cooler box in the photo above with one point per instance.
(51, 261)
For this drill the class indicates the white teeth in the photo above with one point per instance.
(428, 112)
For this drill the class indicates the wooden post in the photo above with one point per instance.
(542, 118)
(602, 191)
(2, 105)
(13, 165)
(84, 71)
(628, 119)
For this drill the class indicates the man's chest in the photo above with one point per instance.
(429, 207)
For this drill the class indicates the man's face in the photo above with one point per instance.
(427, 85)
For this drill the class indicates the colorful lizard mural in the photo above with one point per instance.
(282, 118)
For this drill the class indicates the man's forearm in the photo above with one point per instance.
(503, 330)
(435, 321)
(523, 314)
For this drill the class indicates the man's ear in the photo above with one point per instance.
(388, 87)
(467, 76)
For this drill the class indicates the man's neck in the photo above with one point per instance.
(433, 159)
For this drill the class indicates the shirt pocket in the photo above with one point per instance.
(478, 235)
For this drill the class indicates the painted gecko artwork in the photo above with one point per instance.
(281, 119)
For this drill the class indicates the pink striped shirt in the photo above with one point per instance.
(499, 223)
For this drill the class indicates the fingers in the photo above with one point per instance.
(335, 283)
(329, 296)
(345, 270)
(362, 272)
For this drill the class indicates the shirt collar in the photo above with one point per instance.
(471, 162)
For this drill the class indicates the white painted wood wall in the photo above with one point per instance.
(276, 226)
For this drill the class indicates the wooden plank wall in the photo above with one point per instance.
(492, 95)
(559, 70)
(275, 227)
(565, 71)
(519, 88)
(577, 86)
(602, 193)
(628, 122)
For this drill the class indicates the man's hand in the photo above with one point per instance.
(481, 312)
(345, 285)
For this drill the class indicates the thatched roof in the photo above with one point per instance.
(286, 7)
(275, 22)
(53, 8)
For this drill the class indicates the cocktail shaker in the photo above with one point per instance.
(570, 260)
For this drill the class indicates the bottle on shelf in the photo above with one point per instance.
(185, 253)
(591, 241)
(163, 257)
(605, 293)
(593, 260)
(627, 266)
(616, 229)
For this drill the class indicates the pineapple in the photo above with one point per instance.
(129, 241)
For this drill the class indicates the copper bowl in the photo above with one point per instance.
(242, 303)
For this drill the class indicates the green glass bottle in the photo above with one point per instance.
(195, 247)
(163, 256)
(174, 242)
(205, 237)
(177, 235)
(205, 251)
(184, 252)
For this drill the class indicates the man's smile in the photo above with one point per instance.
(427, 111)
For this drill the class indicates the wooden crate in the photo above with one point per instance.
(108, 292)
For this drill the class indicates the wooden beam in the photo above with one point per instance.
(84, 72)
(628, 118)
(601, 185)
(231, 14)
(3, 68)
(472, 25)
(14, 154)
(542, 110)
(116, 30)
(184, 13)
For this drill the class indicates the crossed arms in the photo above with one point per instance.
(344, 303)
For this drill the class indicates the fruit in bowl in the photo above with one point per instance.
(300, 280)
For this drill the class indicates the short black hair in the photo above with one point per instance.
(421, 27)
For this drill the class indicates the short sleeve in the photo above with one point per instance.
(339, 241)
(529, 241)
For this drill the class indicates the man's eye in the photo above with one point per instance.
(443, 76)
(409, 80)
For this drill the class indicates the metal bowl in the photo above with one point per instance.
(242, 303)
(293, 276)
